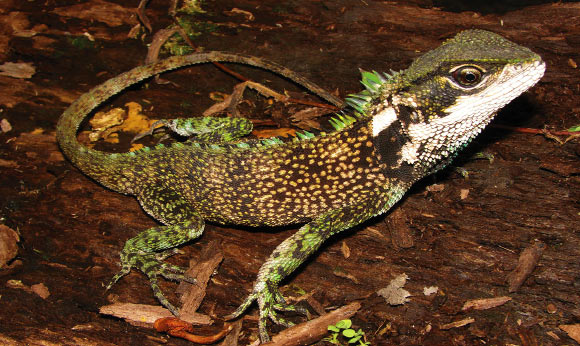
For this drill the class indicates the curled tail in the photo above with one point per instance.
(108, 169)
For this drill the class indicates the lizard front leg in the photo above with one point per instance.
(291, 253)
(212, 130)
(148, 249)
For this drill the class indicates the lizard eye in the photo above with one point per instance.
(467, 76)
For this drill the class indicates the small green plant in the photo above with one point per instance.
(342, 331)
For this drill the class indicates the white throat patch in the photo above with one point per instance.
(383, 120)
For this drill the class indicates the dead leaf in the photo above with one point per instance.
(108, 124)
(16, 284)
(136, 121)
(8, 164)
(345, 250)
(22, 70)
(306, 119)
(430, 290)
(280, 132)
(5, 126)
(553, 335)
(394, 294)
(102, 121)
(527, 261)
(436, 188)
(341, 274)
(41, 290)
(100, 11)
(8, 244)
(573, 330)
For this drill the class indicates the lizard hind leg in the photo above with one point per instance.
(213, 130)
(288, 256)
(148, 249)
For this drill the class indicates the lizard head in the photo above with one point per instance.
(448, 95)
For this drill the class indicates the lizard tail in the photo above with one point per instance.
(110, 169)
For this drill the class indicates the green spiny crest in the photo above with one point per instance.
(305, 135)
(340, 121)
(373, 82)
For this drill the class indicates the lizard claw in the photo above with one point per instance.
(151, 130)
(151, 265)
(269, 301)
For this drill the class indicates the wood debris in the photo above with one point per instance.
(313, 330)
(526, 263)
(457, 324)
(485, 303)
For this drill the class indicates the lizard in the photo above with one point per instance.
(402, 127)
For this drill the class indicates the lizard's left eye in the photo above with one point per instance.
(467, 76)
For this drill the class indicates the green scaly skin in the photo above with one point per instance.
(403, 127)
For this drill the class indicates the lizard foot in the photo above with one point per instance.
(269, 301)
(151, 265)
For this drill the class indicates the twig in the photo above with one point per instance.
(142, 16)
(245, 79)
(311, 331)
(534, 131)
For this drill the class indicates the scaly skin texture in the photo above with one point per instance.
(401, 128)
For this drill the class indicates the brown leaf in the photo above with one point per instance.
(22, 70)
(5, 126)
(345, 250)
(41, 290)
(526, 263)
(8, 244)
(307, 119)
(394, 294)
(573, 330)
(269, 133)
(99, 11)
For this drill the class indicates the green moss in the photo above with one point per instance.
(81, 42)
